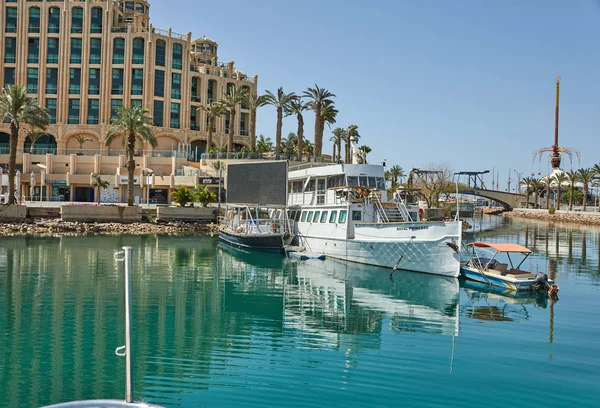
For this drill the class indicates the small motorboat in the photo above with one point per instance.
(486, 266)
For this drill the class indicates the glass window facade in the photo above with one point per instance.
(33, 51)
(9, 76)
(136, 102)
(54, 20)
(51, 106)
(93, 109)
(75, 51)
(159, 110)
(137, 81)
(94, 82)
(159, 83)
(193, 116)
(176, 86)
(177, 56)
(52, 81)
(115, 105)
(138, 51)
(77, 20)
(95, 51)
(174, 116)
(10, 20)
(52, 52)
(10, 50)
(34, 20)
(96, 20)
(74, 107)
(32, 80)
(196, 90)
(118, 51)
(161, 47)
(117, 82)
(74, 81)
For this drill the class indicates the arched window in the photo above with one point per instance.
(177, 56)
(118, 51)
(53, 20)
(77, 20)
(138, 51)
(160, 53)
(96, 20)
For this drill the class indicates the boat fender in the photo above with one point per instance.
(553, 291)
(540, 282)
(286, 236)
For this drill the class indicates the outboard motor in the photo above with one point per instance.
(540, 282)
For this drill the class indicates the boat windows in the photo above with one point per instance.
(363, 181)
(333, 217)
(303, 216)
(296, 186)
(356, 215)
(311, 186)
(324, 217)
(342, 219)
(335, 181)
(309, 218)
(316, 217)
(352, 181)
(380, 183)
(291, 215)
(297, 217)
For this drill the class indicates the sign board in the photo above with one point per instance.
(64, 182)
(209, 180)
(259, 182)
(125, 179)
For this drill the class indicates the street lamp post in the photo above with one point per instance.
(42, 181)
(148, 173)
(219, 205)
(519, 175)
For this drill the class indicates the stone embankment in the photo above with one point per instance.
(57, 226)
(574, 217)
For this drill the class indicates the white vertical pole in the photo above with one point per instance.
(128, 373)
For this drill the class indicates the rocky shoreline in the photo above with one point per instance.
(571, 218)
(42, 226)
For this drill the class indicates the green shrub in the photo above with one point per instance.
(551, 210)
(182, 195)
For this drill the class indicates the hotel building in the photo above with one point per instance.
(83, 60)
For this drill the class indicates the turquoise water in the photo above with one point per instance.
(214, 327)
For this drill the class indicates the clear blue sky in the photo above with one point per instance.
(467, 83)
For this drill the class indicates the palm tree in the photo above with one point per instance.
(98, 183)
(234, 97)
(132, 124)
(318, 97)
(34, 135)
(585, 176)
(338, 136)
(264, 145)
(535, 184)
(363, 151)
(559, 179)
(289, 145)
(309, 147)
(81, 139)
(18, 109)
(280, 102)
(213, 110)
(546, 181)
(526, 182)
(296, 107)
(351, 135)
(254, 101)
(396, 172)
(572, 180)
(329, 114)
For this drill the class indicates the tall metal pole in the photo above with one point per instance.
(220, 173)
(555, 158)
(128, 373)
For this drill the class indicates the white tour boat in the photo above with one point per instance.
(342, 211)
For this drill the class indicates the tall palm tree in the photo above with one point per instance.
(546, 181)
(535, 184)
(264, 145)
(98, 183)
(572, 180)
(254, 101)
(559, 179)
(18, 109)
(396, 173)
(318, 97)
(351, 135)
(234, 97)
(213, 110)
(526, 182)
(363, 151)
(596, 170)
(81, 139)
(296, 107)
(34, 135)
(585, 176)
(280, 102)
(338, 136)
(131, 124)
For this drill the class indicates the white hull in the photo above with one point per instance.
(428, 252)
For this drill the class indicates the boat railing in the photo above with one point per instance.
(380, 210)
(401, 205)
(258, 226)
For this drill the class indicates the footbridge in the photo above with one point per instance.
(475, 186)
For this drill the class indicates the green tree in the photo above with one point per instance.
(351, 135)
(264, 145)
(572, 180)
(526, 182)
(296, 107)
(546, 181)
(318, 98)
(204, 196)
(213, 110)
(34, 135)
(396, 173)
(99, 185)
(364, 151)
(338, 136)
(536, 185)
(585, 176)
(132, 125)
(280, 101)
(309, 148)
(254, 101)
(234, 97)
(559, 179)
(18, 109)
(81, 139)
(289, 145)
(182, 195)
